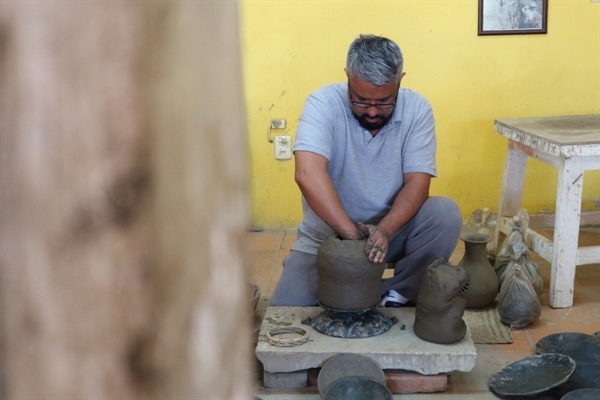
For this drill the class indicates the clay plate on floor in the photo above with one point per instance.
(533, 375)
(348, 365)
(587, 361)
(582, 394)
(357, 388)
(549, 343)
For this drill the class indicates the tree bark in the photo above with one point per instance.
(123, 201)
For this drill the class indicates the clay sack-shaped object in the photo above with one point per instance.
(512, 249)
(440, 308)
(521, 221)
(518, 304)
(530, 271)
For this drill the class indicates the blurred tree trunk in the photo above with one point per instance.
(122, 202)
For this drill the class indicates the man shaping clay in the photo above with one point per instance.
(365, 155)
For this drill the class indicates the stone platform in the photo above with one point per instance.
(397, 349)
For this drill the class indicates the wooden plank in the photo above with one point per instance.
(588, 255)
(543, 246)
(512, 185)
(577, 130)
(566, 232)
(537, 221)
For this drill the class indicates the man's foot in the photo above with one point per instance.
(393, 299)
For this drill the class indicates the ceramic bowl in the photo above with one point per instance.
(357, 388)
(587, 360)
(550, 342)
(582, 394)
(348, 365)
(533, 375)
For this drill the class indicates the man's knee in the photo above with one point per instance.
(445, 213)
(297, 285)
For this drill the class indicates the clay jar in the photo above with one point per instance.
(483, 281)
(348, 281)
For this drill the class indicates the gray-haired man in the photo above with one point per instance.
(365, 155)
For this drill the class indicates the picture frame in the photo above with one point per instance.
(512, 17)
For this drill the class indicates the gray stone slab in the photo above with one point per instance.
(287, 380)
(398, 348)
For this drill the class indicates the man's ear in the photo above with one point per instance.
(346, 72)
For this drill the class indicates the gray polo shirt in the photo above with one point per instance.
(367, 171)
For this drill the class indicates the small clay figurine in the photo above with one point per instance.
(440, 307)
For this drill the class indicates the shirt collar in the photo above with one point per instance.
(399, 109)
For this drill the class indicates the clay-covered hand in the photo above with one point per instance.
(377, 242)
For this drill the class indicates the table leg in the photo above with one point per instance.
(512, 185)
(566, 232)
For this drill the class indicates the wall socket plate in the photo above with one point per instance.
(283, 147)
(278, 123)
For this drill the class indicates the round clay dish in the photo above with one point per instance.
(347, 365)
(533, 375)
(587, 361)
(357, 388)
(582, 394)
(549, 343)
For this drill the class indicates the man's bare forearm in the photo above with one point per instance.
(408, 201)
(320, 194)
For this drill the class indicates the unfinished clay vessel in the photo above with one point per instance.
(347, 279)
(483, 281)
(440, 307)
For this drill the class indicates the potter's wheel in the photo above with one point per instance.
(351, 323)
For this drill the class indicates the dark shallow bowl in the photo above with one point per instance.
(549, 343)
(582, 394)
(587, 360)
(357, 388)
(533, 375)
(348, 365)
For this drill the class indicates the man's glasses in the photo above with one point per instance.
(358, 104)
(387, 106)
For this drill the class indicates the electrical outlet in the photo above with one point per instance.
(283, 147)
(278, 123)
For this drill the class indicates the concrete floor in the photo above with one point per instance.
(266, 250)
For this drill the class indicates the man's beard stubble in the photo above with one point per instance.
(371, 126)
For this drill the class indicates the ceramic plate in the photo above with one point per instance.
(348, 365)
(587, 361)
(550, 342)
(533, 375)
(357, 388)
(582, 394)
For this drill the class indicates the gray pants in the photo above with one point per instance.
(433, 233)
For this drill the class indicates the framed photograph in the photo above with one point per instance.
(512, 17)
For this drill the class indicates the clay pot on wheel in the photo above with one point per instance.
(347, 279)
(483, 281)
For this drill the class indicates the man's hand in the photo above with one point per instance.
(377, 242)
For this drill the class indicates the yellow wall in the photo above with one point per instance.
(292, 48)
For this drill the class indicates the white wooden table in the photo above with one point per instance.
(571, 144)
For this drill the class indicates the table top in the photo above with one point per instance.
(568, 135)
(571, 129)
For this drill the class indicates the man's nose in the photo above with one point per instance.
(372, 111)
